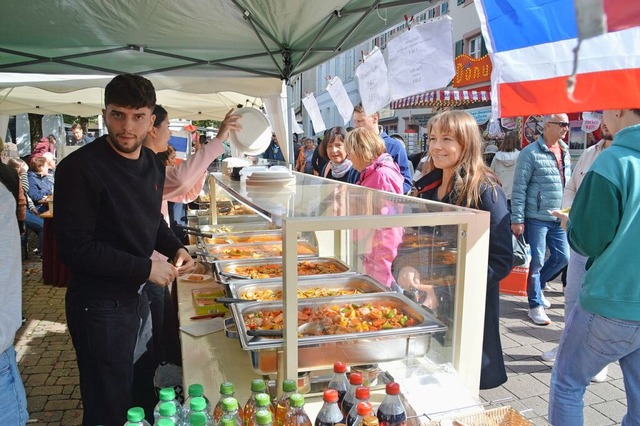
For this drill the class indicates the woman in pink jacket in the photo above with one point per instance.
(367, 152)
(182, 184)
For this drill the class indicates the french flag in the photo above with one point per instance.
(532, 46)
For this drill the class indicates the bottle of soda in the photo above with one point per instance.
(362, 410)
(198, 404)
(167, 395)
(263, 402)
(391, 412)
(355, 380)
(230, 410)
(257, 386)
(196, 390)
(135, 417)
(339, 381)
(362, 395)
(330, 413)
(296, 416)
(168, 411)
(289, 387)
(226, 390)
(264, 417)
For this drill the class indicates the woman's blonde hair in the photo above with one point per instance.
(365, 144)
(471, 173)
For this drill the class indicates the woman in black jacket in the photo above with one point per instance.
(456, 174)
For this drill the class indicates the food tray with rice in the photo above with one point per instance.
(312, 287)
(256, 251)
(357, 329)
(271, 270)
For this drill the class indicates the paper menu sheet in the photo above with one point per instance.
(203, 327)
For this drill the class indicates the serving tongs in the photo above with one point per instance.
(234, 276)
(228, 300)
(311, 328)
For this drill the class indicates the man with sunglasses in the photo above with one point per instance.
(542, 170)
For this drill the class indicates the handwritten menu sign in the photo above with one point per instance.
(341, 98)
(421, 59)
(311, 105)
(372, 82)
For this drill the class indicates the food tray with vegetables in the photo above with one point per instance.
(358, 329)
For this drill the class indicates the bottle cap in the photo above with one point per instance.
(370, 421)
(135, 414)
(196, 389)
(362, 392)
(167, 409)
(197, 403)
(355, 379)
(296, 400)
(228, 421)
(263, 400)
(226, 388)
(392, 388)
(198, 419)
(263, 417)
(364, 408)
(257, 385)
(339, 367)
(330, 395)
(167, 394)
(229, 404)
(165, 422)
(289, 385)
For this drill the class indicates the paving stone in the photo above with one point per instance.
(606, 391)
(36, 403)
(35, 379)
(72, 417)
(46, 390)
(537, 404)
(612, 409)
(65, 404)
(593, 417)
(66, 380)
(523, 386)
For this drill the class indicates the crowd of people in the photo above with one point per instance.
(112, 229)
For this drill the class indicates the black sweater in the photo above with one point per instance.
(108, 221)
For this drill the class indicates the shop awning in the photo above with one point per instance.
(442, 98)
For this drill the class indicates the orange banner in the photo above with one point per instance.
(471, 71)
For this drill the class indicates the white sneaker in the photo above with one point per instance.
(550, 356)
(538, 316)
(601, 376)
(545, 302)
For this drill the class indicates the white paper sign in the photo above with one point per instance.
(591, 121)
(372, 83)
(421, 59)
(294, 124)
(340, 98)
(311, 105)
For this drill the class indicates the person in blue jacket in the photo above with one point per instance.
(604, 326)
(273, 151)
(394, 147)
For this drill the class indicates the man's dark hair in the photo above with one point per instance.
(160, 114)
(129, 90)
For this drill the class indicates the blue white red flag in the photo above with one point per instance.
(532, 45)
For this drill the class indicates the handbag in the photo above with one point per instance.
(521, 251)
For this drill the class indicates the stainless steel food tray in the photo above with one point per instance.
(272, 235)
(226, 270)
(320, 352)
(256, 250)
(362, 283)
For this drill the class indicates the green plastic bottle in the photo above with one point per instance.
(135, 417)
(257, 386)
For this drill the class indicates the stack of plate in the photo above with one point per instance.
(268, 177)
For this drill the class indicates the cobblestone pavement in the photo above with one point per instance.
(47, 360)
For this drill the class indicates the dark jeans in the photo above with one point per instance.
(115, 375)
(164, 320)
(36, 224)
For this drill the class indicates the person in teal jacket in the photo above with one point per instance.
(604, 326)
(542, 170)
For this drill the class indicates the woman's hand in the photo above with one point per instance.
(230, 122)
(563, 216)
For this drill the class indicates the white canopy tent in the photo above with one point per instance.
(196, 46)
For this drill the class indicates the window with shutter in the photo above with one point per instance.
(459, 48)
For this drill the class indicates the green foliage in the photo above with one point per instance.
(206, 123)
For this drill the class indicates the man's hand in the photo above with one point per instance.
(517, 229)
(183, 261)
(230, 122)
(162, 272)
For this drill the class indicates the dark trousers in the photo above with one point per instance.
(116, 369)
(164, 320)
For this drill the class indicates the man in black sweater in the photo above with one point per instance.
(107, 224)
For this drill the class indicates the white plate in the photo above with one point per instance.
(255, 136)
(196, 278)
(268, 175)
(267, 182)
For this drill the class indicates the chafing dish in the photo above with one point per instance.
(256, 250)
(245, 237)
(228, 271)
(320, 352)
(360, 284)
